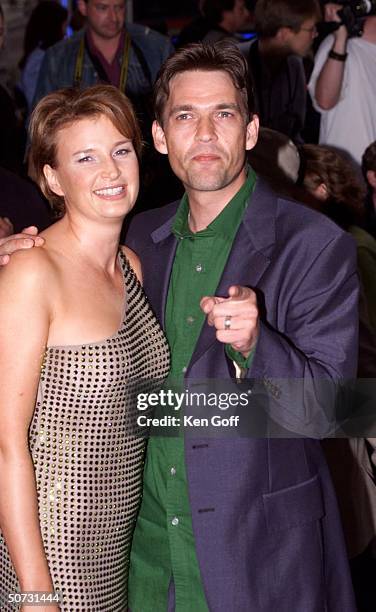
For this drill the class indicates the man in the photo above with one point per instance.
(233, 524)
(195, 29)
(369, 173)
(226, 17)
(343, 86)
(230, 14)
(286, 30)
(240, 279)
(107, 50)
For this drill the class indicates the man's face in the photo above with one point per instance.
(104, 17)
(204, 130)
(300, 42)
(371, 180)
(240, 15)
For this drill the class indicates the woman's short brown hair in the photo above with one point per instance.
(59, 110)
(322, 164)
(221, 56)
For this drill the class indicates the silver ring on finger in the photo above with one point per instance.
(227, 323)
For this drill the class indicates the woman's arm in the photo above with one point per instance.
(25, 316)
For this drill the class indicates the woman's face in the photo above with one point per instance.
(96, 171)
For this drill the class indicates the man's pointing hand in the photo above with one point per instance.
(235, 318)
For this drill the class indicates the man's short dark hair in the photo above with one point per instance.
(271, 15)
(369, 159)
(214, 9)
(221, 56)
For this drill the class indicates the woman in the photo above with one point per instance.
(339, 193)
(77, 337)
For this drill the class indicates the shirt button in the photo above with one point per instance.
(184, 369)
(190, 320)
(175, 521)
(199, 268)
(173, 471)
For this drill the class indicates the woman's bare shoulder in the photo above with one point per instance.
(134, 261)
(29, 268)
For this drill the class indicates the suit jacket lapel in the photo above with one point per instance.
(159, 266)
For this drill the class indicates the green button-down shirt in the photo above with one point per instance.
(163, 545)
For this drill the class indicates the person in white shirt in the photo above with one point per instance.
(343, 86)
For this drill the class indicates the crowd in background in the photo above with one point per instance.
(293, 45)
(313, 70)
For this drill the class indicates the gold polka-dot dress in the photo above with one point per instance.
(88, 456)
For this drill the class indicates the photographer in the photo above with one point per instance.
(343, 82)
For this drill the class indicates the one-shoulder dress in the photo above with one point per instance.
(88, 456)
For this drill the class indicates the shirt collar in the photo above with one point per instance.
(226, 223)
(95, 51)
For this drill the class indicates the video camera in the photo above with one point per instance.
(354, 12)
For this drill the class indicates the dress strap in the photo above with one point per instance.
(130, 276)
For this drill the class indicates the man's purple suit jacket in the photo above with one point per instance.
(265, 518)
